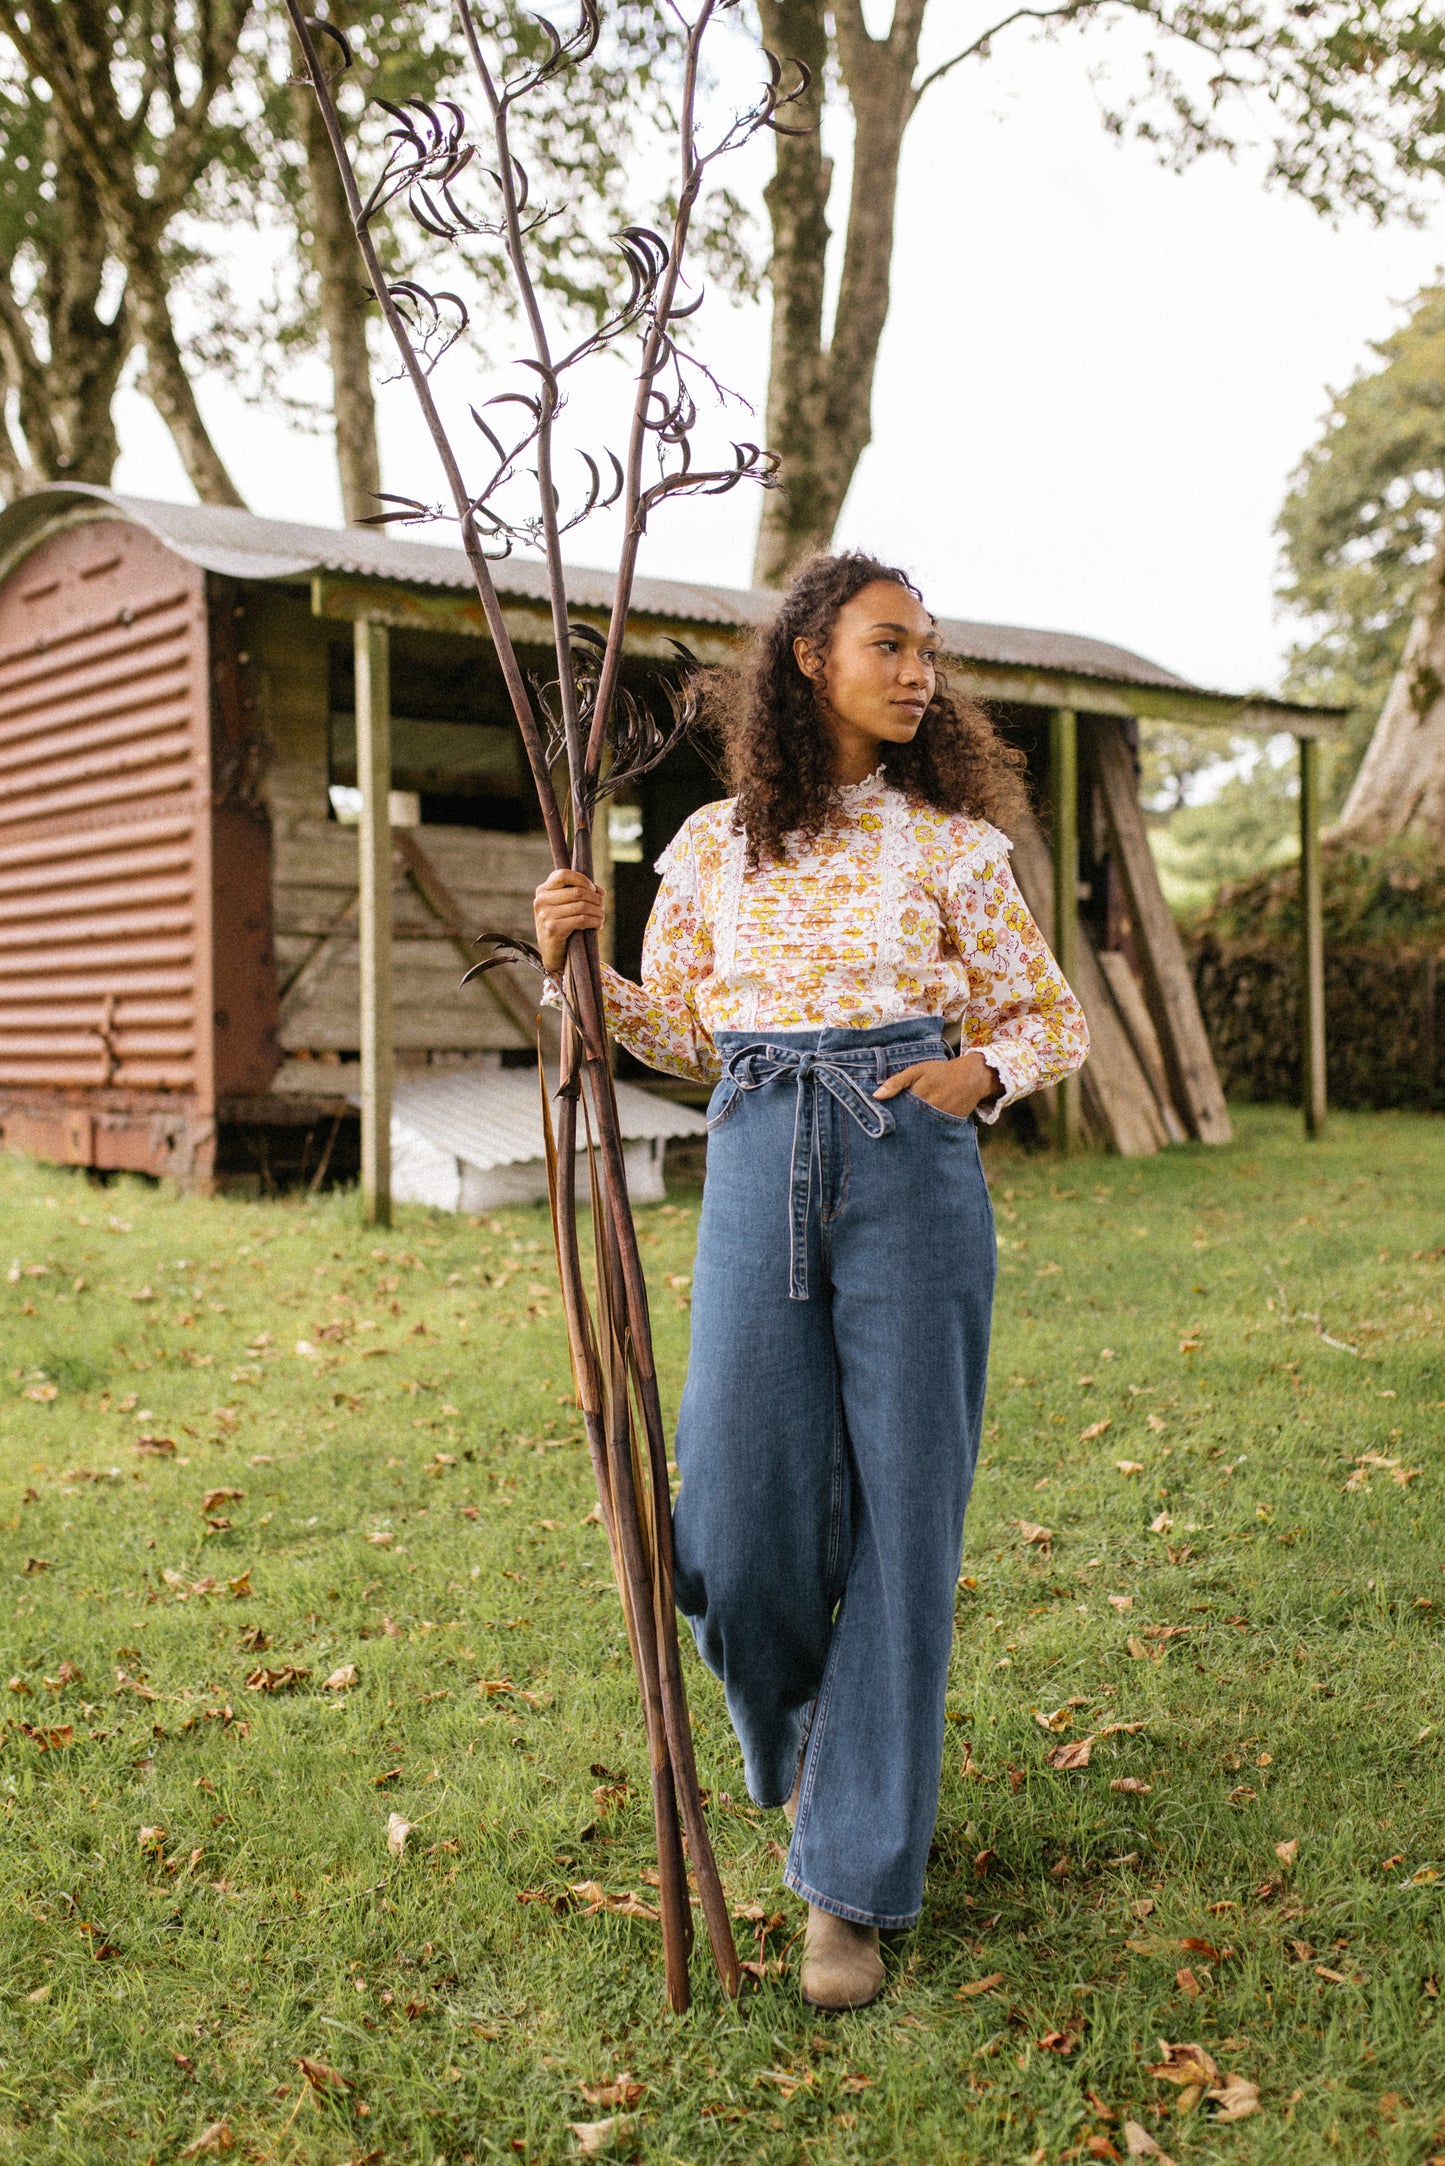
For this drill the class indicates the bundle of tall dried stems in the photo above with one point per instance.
(607, 736)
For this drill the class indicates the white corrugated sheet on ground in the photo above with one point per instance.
(472, 1139)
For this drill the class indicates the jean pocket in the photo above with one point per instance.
(723, 1103)
(958, 1121)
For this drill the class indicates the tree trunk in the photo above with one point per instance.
(63, 429)
(1400, 788)
(167, 385)
(820, 390)
(345, 296)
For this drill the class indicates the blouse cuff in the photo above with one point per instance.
(1011, 1072)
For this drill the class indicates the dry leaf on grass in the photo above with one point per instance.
(624, 2090)
(1131, 1785)
(595, 1898)
(976, 1986)
(1121, 1602)
(282, 1680)
(213, 1497)
(1070, 1758)
(211, 2142)
(984, 1864)
(341, 1680)
(320, 2076)
(1235, 2098)
(398, 1828)
(1060, 1719)
(1188, 1984)
(1123, 1729)
(1160, 1523)
(155, 1447)
(1287, 1852)
(151, 1838)
(1129, 1466)
(1140, 2144)
(595, 2137)
(1095, 1428)
(971, 1771)
(1034, 1536)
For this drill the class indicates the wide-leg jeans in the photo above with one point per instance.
(827, 1440)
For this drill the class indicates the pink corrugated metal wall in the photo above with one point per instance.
(105, 877)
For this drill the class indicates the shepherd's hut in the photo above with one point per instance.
(180, 990)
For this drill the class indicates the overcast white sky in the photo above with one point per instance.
(1095, 381)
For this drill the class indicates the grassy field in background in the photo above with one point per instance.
(376, 1465)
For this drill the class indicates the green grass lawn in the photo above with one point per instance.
(376, 1466)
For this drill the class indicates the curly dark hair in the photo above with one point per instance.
(780, 755)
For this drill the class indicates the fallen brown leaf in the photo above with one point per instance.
(398, 1827)
(213, 1497)
(1070, 1758)
(627, 1905)
(211, 2142)
(282, 1680)
(1287, 1852)
(1129, 1466)
(1034, 1536)
(155, 1447)
(1187, 2065)
(984, 1864)
(976, 1986)
(1140, 2144)
(1131, 1785)
(595, 2137)
(1188, 1984)
(341, 1680)
(1122, 1729)
(1095, 1428)
(1235, 2098)
(1060, 1719)
(1121, 1601)
(1057, 2042)
(320, 2076)
(622, 2091)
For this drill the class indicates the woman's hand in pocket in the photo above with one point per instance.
(954, 1086)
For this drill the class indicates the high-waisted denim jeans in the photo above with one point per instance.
(827, 1440)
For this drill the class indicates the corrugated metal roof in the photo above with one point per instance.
(242, 546)
(493, 1117)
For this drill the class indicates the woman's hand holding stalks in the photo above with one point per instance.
(566, 903)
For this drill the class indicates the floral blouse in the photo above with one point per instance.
(895, 910)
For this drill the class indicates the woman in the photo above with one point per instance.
(812, 937)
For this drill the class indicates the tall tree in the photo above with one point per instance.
(1342, 91)
(140, 93)
(1361, 528)
(64, 335)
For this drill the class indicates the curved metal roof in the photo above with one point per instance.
(240, 545)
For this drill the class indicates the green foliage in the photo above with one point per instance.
(1358, 527)
(155, 1986)
(1394, 893)
(1221, 808)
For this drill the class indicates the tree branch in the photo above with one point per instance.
(980, 45)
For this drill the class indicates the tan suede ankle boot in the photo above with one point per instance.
(842, 1967)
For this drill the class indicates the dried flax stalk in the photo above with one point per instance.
(608, 738)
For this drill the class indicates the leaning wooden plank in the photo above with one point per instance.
(1169, 988)
(1134, 1013)
(501, 983)
(1119, 1105)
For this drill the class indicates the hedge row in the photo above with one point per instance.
(1384, 1026)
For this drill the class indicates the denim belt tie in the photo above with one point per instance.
(748, 1069)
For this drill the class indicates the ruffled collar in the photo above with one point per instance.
(856, 796)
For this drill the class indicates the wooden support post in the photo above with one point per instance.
(373, 774)
(1312, 941)
(1064, 778)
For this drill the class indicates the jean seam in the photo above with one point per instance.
(886, 1921)
(835, 1527)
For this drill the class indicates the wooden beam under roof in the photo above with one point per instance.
(346, 600)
